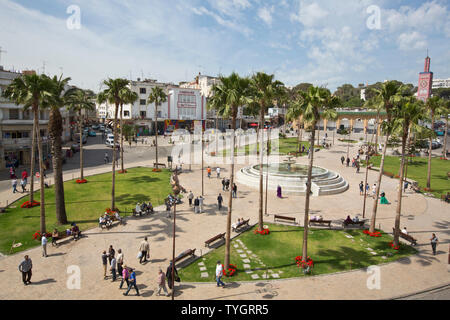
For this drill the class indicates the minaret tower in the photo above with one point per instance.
(425, 81)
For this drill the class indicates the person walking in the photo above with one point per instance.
(105, 263)
(227, 184)
(219, 274)
(44, 245)
(196, 205)
(55, 237)
(219, 201)
(190, 197)
(361, 188)
(119, 262)
(348, 161)
(405, 186)
(106, 158)
(125, 276)
(171, 277)
(25, 267)
(23, 184)
(162, 283)
(434, 241)
(200, 200)
(208, 170)
(234, 190)
(111, 253)
(113, 266)
(223, 184)
(145, 250)
(14, 185)
(367, 188)
(218, 172)
(374, 190)
(132, 282)
(25, 175)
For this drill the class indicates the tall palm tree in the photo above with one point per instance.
(112, 95)
(264, 91)
(446, 110)
(33, 91)
(408, 111)
(127, 97)
(314, 105)
(80, 101)
(55, 131)
(227, 96)
(158, 97)
(384, 97)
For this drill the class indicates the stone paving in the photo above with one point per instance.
(421, 216)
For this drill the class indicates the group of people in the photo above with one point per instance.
(144, 208)
(383, 199)
(14, 182)
(355, 162)
(350, 220)
(197, 202)
(209, 171)
(107, 220)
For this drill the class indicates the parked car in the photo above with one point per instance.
(75, 147)
(95, 127)
(92, 134)
(83, 139)
(110, 143)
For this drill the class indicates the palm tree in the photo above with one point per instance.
(264, 90)
(408, 112)
(33, 91)
(446, 109)
(80, 101)
(384, 97)
(112, 95)
(314, 105)
(227, 96)
(55, 131)
(158, 97)
(128, 97)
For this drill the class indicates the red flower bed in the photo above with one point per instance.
(81, 181)
(263, 232)
(28, 204)
(442, 158)
(156, 170)
(392, 245)
(123, 171)
(38, 236)
(304, 263)
(375, 234)
(231, 270)
(427, 189)
(111, 212)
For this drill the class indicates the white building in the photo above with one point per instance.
(441, 83)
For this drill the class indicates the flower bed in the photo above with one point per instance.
(28, 204)
(38, 236)
(108, 211)
(122, 171)
(304, 264)
(263, 232)
(442, 158)
(392, 245)
(81, 181)
(231, 270)
(376, 234)
(156, 170)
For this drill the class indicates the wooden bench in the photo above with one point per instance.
(189, 252)
(406, 236)
(352, 223)
(245, 223)
(278, 217)
(159, 165)
(219, 236)
(328, 222)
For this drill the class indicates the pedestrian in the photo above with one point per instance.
(145, 250)
(132, 282)
(171, 276)
(227, 184)
(25, 267)
(196, 205)
(200, 200)
(223, 184)
(367, 188)
(219, 274)
(348, 161)
(234, 190)
(12, 172)
(24, 178)
(111, 253)
(162, 283)
(14, 185)
(218, 172)
(357, 167)
(23, 184)
(168, 208)
(44, 245)
(191, 197)
(119, 262)
(279, 192)
(55, 237)
(374, 190)
(113, 266)
(105, 263)
(434, 241)
(125, 276)
(106, 158)
(208, 170)
(406, 185)
(361, 188)
(219, 201)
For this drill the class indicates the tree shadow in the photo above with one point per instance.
(57, 254)
(46, 281)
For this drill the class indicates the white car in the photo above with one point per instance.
(110, 142)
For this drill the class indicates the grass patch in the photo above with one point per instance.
(285, 146)
(331, 251)
(417, 170)
(84, 204)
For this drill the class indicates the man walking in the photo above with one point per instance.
(348, 161)
(132, 283)
(119, 262)
(105, 263)
(171, 277)
(162, 283)
(113, 268)
(223, 184)
(196, 205)
(219, 201)
(125, 276)
(145, 250)
(434, 241)
(374, 190)
(25, 267)
(219, 275)
(106, 158)
(111, 253)
(14, 185)
(361, 188)
(44, 245)
(191, 197)
(208, 170)
(200, 200)
(218, 172)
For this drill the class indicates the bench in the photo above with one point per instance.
(406, 237)
(189, 252)
(328, 222)
(352, 223)
(219, 236)
(159, 165)
(278, 217)
(244, 223)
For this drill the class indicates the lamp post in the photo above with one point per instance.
(267, 171)
(173, 250)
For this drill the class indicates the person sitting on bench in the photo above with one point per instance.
(118, 217)
(144, 208)
(76, 232)
(55, 237)
(138, 209)
(356, 219)
(150, 207)
(101, 221)
(404, 231)
(348, 220)
(238, 222)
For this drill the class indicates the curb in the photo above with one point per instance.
(420, 292)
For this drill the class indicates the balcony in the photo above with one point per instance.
(19, 143)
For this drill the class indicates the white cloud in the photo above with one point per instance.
(309, 14)
(413, 40)
(265, 14)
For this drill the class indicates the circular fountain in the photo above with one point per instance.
(292, 178)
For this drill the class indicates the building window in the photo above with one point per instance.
(13, 114)
(27, 115)
(126, 113)
(143, 114)
(143, 90)
(143, 102)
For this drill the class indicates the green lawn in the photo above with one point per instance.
(331, 251)
(84, 204)
(417, 170)
(285, 146)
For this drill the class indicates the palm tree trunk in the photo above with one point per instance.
(261, 163)
(376, 132)
(121, 138)
(41, 173)
(380, 176)
(81, 147)
(156, 134)
(444, 151)
(113, 189)
(308, 194)
(400, 189)
(430, 149)
(230, 196)
(33, 154)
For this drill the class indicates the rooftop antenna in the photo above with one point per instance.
(1, 54)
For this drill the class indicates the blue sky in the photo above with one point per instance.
(323, 42)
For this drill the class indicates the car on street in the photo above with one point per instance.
(92, 134)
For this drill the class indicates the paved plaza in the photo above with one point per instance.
(421, 215)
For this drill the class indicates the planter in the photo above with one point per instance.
(230, 272)
(263, 232)
(81, 181)
(124, 171)
(28, 204)
(306, 265)
(156, 170)
(375, 234)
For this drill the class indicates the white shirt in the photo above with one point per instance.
(218, 170)
(14, 182)
(404, 231)
(44, 240)
(219, 270)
